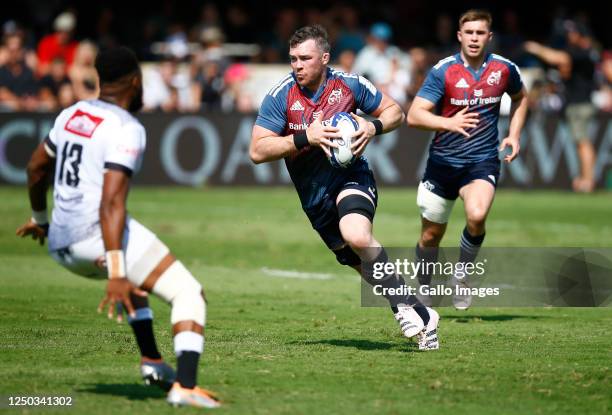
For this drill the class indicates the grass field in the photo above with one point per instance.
(304, 346)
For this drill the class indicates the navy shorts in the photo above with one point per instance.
(445, 180)
(324, 217)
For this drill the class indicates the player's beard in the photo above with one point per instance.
(136, 103)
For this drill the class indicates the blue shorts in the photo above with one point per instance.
(324, 217)
(445, 180)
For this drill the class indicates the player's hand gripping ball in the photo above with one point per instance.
(343, 156)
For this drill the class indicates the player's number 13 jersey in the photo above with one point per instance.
(87, 139)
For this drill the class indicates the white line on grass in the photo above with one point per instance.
(283, 273)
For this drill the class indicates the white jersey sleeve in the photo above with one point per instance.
(51, 143)
(125, 149)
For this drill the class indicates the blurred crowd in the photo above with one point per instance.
(205, 66)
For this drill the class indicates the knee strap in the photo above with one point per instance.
(178, 287)
(356, 204)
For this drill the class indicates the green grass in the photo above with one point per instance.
(292, 346)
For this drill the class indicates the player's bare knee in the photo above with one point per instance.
(476, 216)
(358, 240)
(431, 237)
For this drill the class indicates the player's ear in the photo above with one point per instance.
(325, 58)
(136, 81)
(459, 35)
(490, 36)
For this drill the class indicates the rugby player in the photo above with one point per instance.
(95, 146)
(293, 123)
(460, 100)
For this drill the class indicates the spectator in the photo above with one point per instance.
(18, 86)
(168, 89)
(605, 93)
(211, 42)
(58, 44)
(83, 74)
(346, 60)
(239, 28)
(10, 28)
(51, 84)
(275, 43)
(445, 43)
(235, 97)
(419, 68)
(576, 65)
(209, 18)
(350, 36)
(383, 64)
(209, 86)
(66, 96)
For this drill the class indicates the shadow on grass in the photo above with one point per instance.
(498, 317)
(131, 391)
(361, 344)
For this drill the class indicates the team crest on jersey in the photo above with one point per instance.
(335, 96)
(83, 124)
(494, 78)
(462, 84)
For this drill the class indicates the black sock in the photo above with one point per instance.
(143, 330)
(392, 280)
(187, 368)
(421, 310)
(388, 280)
(427, 256)
(470, 245)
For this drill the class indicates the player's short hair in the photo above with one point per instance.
(473, 15)
(113, 64)
(316, 32)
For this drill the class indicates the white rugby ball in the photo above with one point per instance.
(343, 155)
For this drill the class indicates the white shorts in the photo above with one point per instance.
(143, 251)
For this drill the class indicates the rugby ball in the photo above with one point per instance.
(343, 156)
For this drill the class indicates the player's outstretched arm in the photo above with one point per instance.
(39, 168)
(112, 221)
(551, 56)
(388, 116)
(518, 114)
(420, 115)
(267, 146)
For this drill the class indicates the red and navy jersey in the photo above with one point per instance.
(453, 85)
(289, 108)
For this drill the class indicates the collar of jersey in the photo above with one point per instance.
(308, 94)
(478, 73)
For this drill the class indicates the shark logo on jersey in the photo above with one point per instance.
(372, 191)
(83, 124)
(462, 84)
(335, 96)
(297, 106)
(494, 78)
